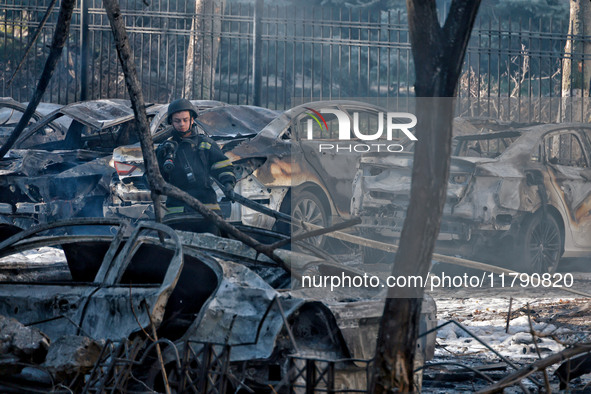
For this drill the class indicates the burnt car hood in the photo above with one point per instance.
(100, 113)
(32, 162)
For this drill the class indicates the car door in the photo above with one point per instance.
(332, 159)
(568, 161)
(136, 284)
(42, 294)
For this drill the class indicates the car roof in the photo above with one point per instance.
(235, 120)
(528, 136)
(8, 103)
(102, 113)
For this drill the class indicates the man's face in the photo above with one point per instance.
(182, 121)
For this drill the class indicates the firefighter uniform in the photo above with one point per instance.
(197, 158)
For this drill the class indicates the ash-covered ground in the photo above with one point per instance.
(521, 324)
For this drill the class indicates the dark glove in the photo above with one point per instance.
(166, 153)
(228, 186)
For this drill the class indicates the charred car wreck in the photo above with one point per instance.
(118, 282)
(59, 166)
(525, 190)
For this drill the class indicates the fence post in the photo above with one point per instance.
(257, 65)
(84, 35)
(310, 376)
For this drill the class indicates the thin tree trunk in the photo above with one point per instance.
(438, 54)
(202, 51)
(60, 37)
(576, 67)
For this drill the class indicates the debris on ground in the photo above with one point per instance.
(20, 344)
(70, 355)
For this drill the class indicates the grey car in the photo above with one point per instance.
(526, 191)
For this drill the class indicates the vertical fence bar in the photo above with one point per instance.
(521, 67)
(488, 68)
(84, 47)
(238, 54)
(267, 43)
(529, 82)
(284, 84)
(350, 54)
(229, 63)
(340, 49)
(359, 47)
(302, 95)
(257, 52)
(560, 114)
(479, 60)
(294, 46)
(276, 45)
(369, 31)
(398, 63)
(321, 51)
(330, 49)
(540, 49)
(509, 70)
(583, 82)
(389, 54)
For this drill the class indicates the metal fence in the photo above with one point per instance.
(304, 53)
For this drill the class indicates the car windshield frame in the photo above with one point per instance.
(462, 148)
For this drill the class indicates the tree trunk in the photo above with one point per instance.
(576, 67)
(438, 54)
(202, 51)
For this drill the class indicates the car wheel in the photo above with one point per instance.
(540, 244)
(307, 207)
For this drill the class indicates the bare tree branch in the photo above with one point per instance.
(60, 37)
(539, 365)
(33, 40)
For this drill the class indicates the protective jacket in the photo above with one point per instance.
(197, 158)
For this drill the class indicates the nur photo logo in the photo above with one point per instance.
(388, 124)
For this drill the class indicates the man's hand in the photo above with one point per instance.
(228, 187)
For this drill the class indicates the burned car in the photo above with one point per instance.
(59, 166)
(277, 159)
(524, 190)
(11, 112)
(118, 282)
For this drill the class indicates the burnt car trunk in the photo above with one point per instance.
(45, 186)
